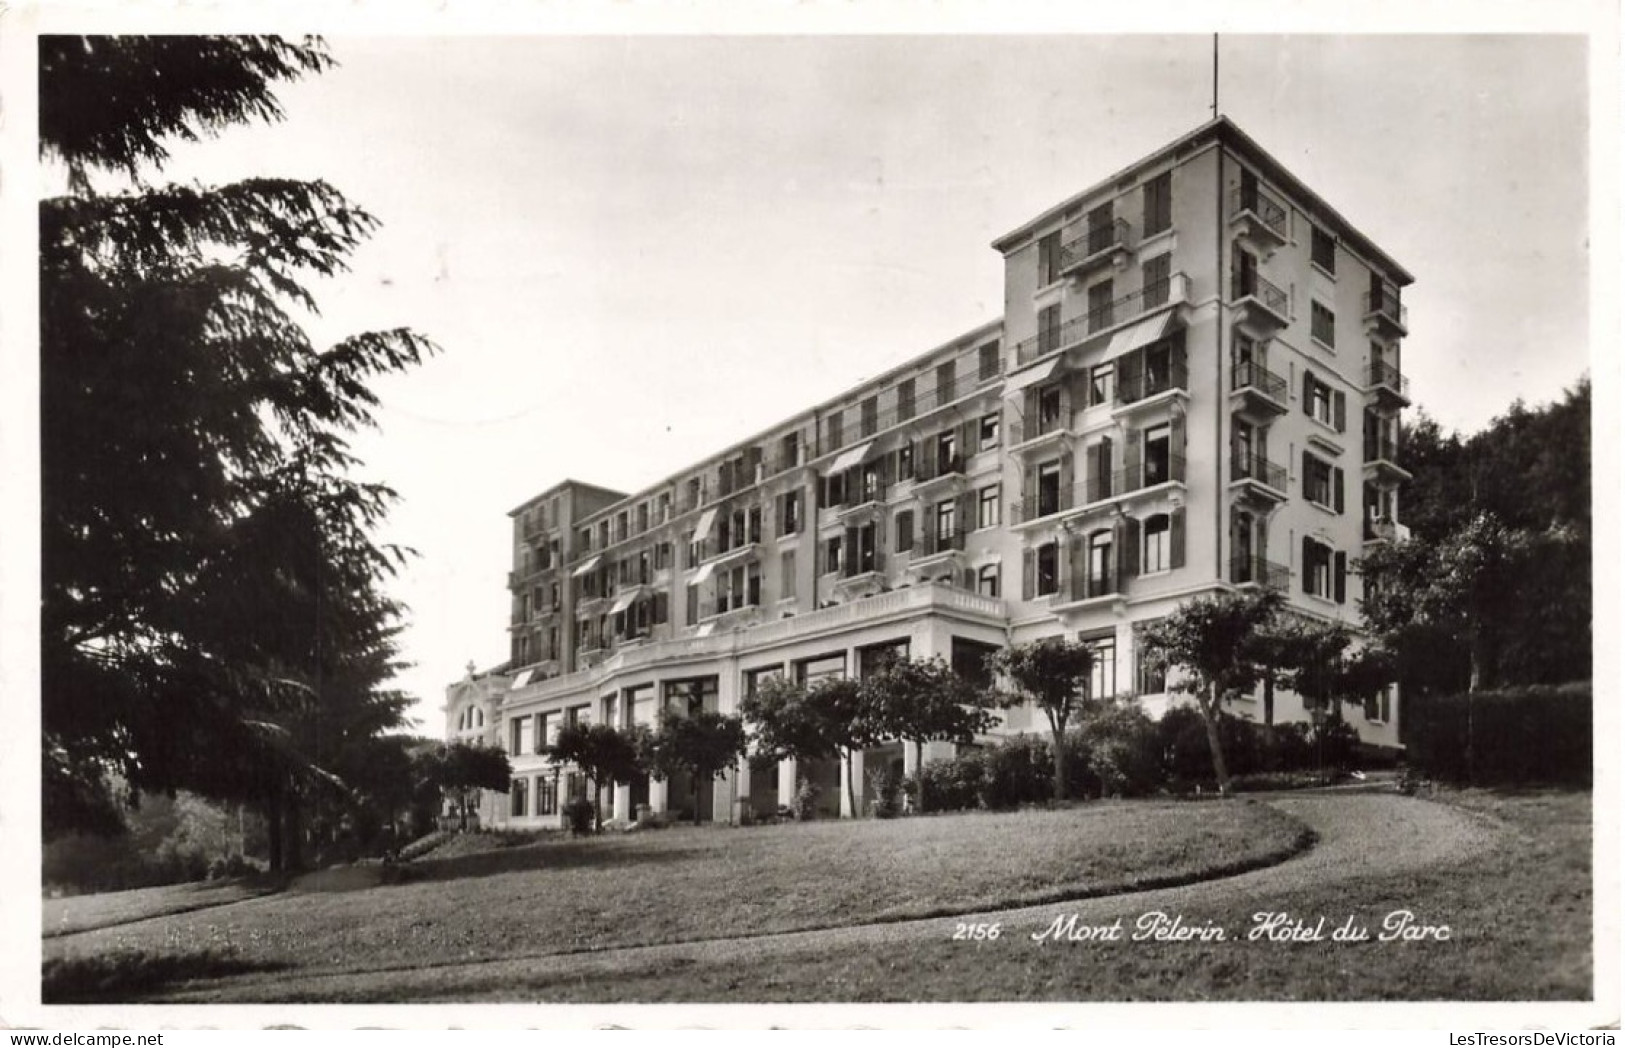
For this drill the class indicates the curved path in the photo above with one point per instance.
(1361, 835)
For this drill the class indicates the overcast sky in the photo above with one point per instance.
(636, 251)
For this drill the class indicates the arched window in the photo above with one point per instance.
(1154, 557)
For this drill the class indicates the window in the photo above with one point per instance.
(1378, 706)
(905, 461)
(1317, 480)
(1154, 557)
(905, 400)
(1158, 455)
(987, 361)
(787, 574)
(945, 382)
(1049, 258)
(1049, 408)
(869, 415)
(1100, 306)
(1318, 401)
(1149, 679)
(947, 519)
(834, 427)
(947, 451)
(1159, 204)
(518, 795)
(988, 432)
(1323, 250)
(904, 527)
(1100, 563)
(1103, 670)
(790, 513)
(832, 554)
(1322, 324)
(1049, 572)
(987, 580)
(1049, 488)
(1049, 329)
(523, 738)
(1100, 385)
(1154, 277)
(1317, 568)
(987, 507)
(547, 795)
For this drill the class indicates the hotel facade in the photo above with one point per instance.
(1195, 387)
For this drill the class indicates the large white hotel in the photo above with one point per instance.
(1195, 387)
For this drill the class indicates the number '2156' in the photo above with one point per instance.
(975, 932)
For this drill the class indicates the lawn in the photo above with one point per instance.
(1519, 914)
(686, 884)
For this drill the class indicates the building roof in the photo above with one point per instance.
(560, 486)
(1224, 130)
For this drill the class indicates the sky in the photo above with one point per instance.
(635, 251)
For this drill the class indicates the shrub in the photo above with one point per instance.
(579, 815)
(1535, 733)
(1017, 771)
(1286, 747)
(954, 784)
(805, 803)
(887, 784)
(1185, 753)
(1118, 747)
(1335, 743)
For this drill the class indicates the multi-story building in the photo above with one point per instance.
(1195, 387)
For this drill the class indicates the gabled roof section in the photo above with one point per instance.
(1225, 131)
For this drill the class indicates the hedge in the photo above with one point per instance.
(1532, 734)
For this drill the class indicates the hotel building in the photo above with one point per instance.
(1195, 387)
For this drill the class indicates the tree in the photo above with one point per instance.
(703, 744)
(605, 754)
(460, 770)
(794, 722)
(1053, 674)
(1210, 639)
(921, 701)
(212, 615)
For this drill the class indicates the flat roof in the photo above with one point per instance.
(560, 486)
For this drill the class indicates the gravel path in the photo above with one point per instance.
(1361, 834)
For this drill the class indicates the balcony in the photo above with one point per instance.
(1152, 473)
(1259, 393)
(1257, 479)
(1385, 530)
(533, 527)
(1262, 305)
(1382, 461)
(1384, 314)
(863, 572)
(1153, 381)
(868, 501)
(1044, 503)
(1104, 319)
(1258, 218)
(1393, 389)
(935, 550)
(1257, 571)
(935, 477)
(1103, 245)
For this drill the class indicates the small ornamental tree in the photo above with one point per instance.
(606, 755)
(793, 722)
(704, 744)
(921, 701)
(1212, 639)
(1053, 674)
(460, 770)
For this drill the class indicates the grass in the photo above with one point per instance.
(1519, 915)
(685, 884)
(79, 913)
(125, 974)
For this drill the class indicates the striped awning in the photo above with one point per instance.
(626, 599)
(852, 456)
(702, 527)
(1142, 334)
(591, 562)
(1032, 376)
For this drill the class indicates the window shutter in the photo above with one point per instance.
(880, 540)
(1130, 556)
(1104, 450)
(1029, 573)
(1176, 538)
(1337, 488)
(1308, 392)
(1029, 413)
(781, 512)
(1029, 491)
(905, 531)
(849, 563)
(1067, 480)
(1308, 576)
(1077, 558)
(1131, 459)
(925, 460)
(967, 439)
(965, 512)
(1176, 436)
(1307, 460)
(1340, 567)
(967, 579)
(1340, 410)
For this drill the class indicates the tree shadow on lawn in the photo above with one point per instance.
(540, 857)
(127, 974)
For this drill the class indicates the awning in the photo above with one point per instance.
(702, 527)
(592, 562)
(1142, 334)
(1032, 376)
(626, 599)
(850, 457)
(521, 680)
(705, 630)
(703, 574)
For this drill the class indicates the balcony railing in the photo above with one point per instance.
(1385, 306)
(1385, 531)
(1387, 376)
(1157, 294)
(1097, 241)
(1254, 376)
(863, 564)
(1259, 571)
(1260, 204)
(925, 402)
(1045, 503)
(1149, 473)
(1248, 284)
(1100, 487)
(1257, 468)
(1381, 448)
(952, 466)
(1134, 387)
(931, 544)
